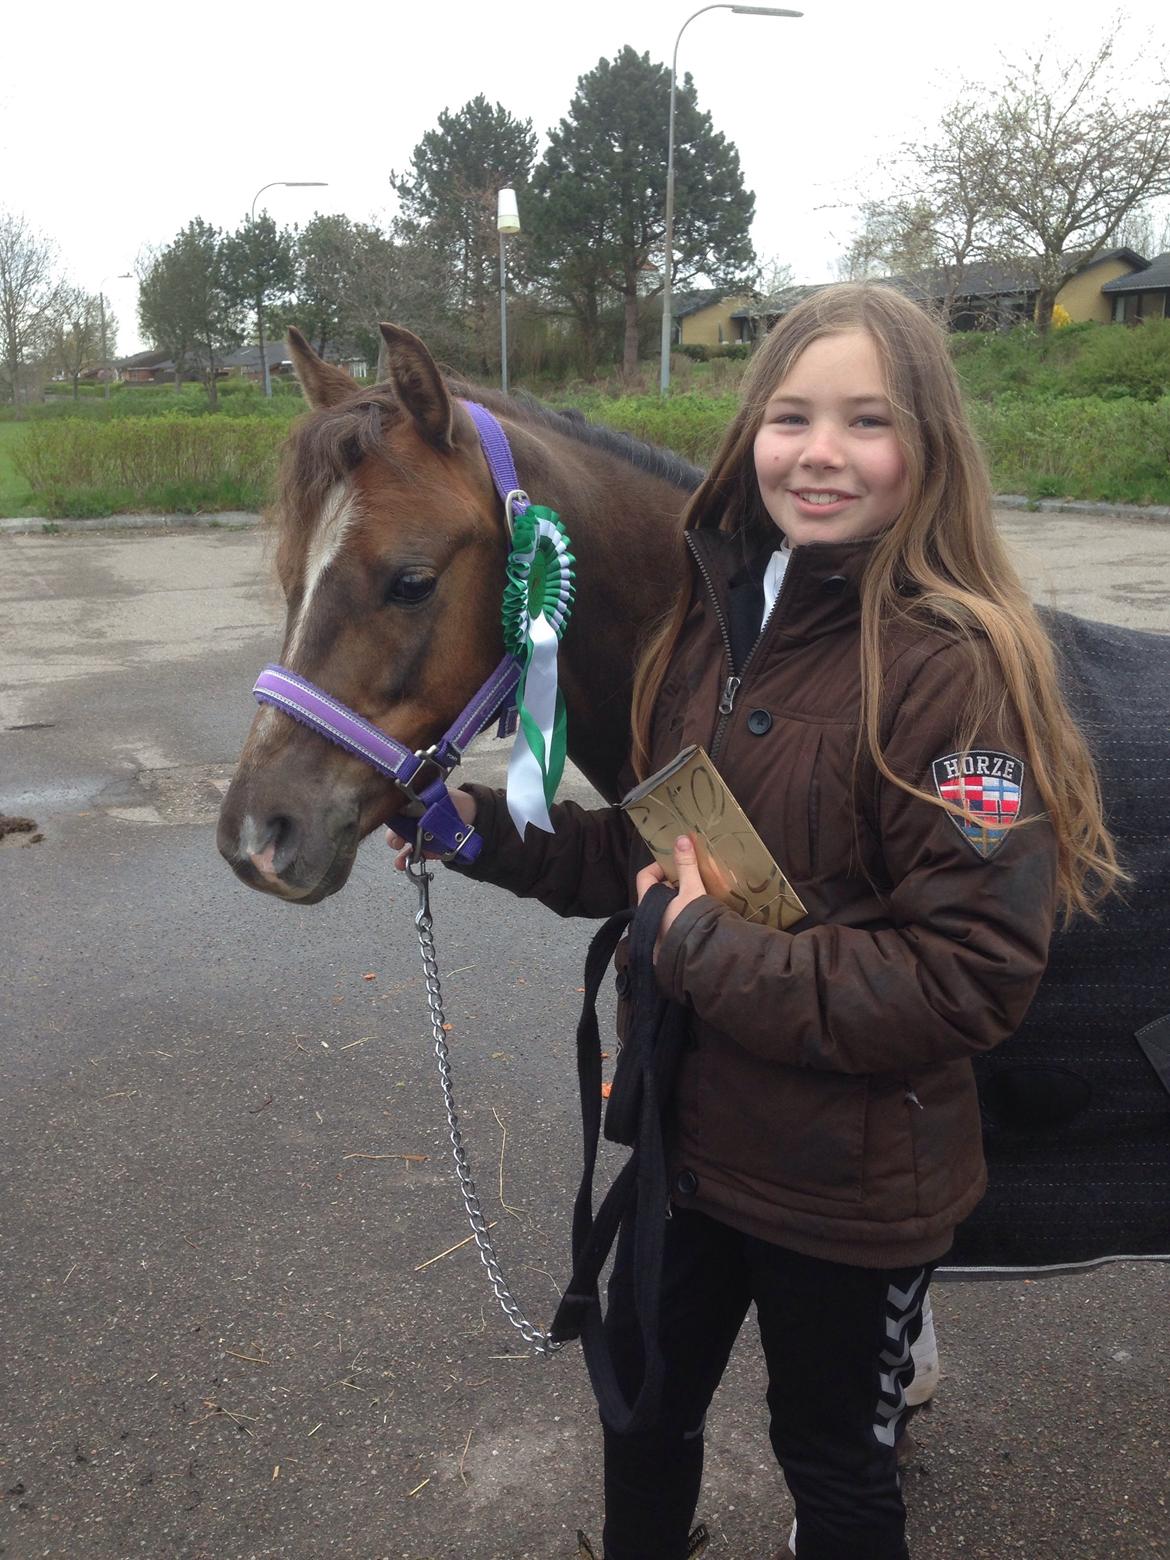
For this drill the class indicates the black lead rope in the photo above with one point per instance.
(637, 1200)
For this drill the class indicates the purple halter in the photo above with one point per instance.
(440, 824)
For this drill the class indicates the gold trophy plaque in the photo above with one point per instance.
(689, 796)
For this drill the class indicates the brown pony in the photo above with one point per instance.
(391, 546)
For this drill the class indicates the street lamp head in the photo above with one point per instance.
(507, 213)
(286, 184)
(668, 245)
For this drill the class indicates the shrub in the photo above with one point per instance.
(1119, 361)
(695, 351)
(1085, 359)
(1091, 448)
(689, 424)
(79, 466)
(1113, 451)
(64, 389)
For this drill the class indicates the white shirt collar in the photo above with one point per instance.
(774, 578)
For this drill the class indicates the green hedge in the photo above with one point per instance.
(691, 424)
(241, 400)
(1090, 448)
(60, 390)
(167, 463)
(1114, 362)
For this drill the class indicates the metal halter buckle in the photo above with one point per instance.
(411, 787)
(516, 499)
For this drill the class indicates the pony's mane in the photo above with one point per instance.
(651, 459)
(330, 442)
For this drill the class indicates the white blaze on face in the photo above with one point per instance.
(333, 526)
(334, 523)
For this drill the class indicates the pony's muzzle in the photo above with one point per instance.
(273, 850)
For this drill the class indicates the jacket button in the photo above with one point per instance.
(622, 984)
(758, 722)
(687, 1183)
(835, 584)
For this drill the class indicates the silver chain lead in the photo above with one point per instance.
(540, 1341)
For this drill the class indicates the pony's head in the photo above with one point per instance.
(387, 526)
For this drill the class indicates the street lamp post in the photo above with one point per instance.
(507, 221)
(668, 264)
(120, 276)
(288, 184)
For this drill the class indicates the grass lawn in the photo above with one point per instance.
(15, 494)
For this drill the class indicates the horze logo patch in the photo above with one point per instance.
(987, 786)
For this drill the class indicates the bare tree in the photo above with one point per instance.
(1145, 231)
(896, 238)
(1071, 160)
(942, 215)
(74, 330)
(28, 290)
(1042, 173)
(772, 275)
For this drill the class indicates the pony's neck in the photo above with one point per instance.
(623, 525)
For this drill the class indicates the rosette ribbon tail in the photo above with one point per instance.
(536, 610)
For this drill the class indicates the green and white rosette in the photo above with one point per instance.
(537, 601)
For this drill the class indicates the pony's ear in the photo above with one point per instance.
(324, 384)
(419, 385)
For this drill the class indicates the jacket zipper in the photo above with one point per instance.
(733, 684)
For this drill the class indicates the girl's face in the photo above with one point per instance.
(829, 466)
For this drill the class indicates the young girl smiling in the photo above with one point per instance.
(854, 650)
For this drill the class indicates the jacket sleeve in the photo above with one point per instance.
(954, 971)
(582, 868)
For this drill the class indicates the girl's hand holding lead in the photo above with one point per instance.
(464, 805)
(690, 884)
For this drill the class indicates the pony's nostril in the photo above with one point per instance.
(281, 837)
(270, 846)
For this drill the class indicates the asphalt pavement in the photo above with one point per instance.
(234, 1324)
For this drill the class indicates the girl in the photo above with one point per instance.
(857, 655)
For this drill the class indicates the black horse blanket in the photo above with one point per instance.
(1076, 1106)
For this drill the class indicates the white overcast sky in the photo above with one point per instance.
(120, 122)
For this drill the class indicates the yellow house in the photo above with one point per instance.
(1118, 285)
(704, 319)
(1141, 295)
(1083, 296)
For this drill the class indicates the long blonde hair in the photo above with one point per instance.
(944, 545)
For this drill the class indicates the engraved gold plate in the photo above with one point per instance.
(689, 796)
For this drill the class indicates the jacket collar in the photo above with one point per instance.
(821, 589)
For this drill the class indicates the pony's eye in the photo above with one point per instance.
(410, 587)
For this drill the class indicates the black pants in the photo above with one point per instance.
(837, 1344)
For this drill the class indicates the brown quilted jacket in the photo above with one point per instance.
(827, 1102)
